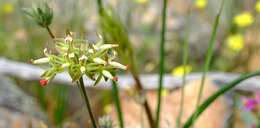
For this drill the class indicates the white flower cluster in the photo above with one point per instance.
(80, 58)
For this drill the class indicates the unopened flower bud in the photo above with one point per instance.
(107, 46)
(83, 57)
(99, 61)
(71, 55)
(45, 51)
(118, 65)
(41, 60)
(68, 38)
(107, 74)
(44, 82)
(91, 51)
(95, 47)
(115, 78)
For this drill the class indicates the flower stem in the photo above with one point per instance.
(50, 32)
(161, 72)
(85, 96)
(117, 103)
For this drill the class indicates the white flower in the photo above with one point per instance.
(107, 74)
(71, 55)
(117, 65)
(41, 60)
(99, 61)
(83, 57)
(82, 69)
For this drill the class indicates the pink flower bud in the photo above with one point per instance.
(44, 82)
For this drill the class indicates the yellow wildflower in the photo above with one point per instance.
(257, 6)
(141, 1)
(201, 4)
(244, 19)
(235, 42)
(108, 108)
(179, 71)
(165, 92)
(7, 8)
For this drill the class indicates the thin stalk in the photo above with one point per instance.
(81, 86)
(145, 104)
(134, 73)
(117, 103)
(139, 88)
(50, 32)
(162, 58)
(225, 88)
(209, 54)
(185, 60)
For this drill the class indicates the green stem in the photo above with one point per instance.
(209, 54)
(117, 103)
(161, 72)
(132, 61)
(146, 106)
(185, 62)
(213, 97)
(85, 96)
(50, 32)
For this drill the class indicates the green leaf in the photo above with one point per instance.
(209, 55)
(225, 88)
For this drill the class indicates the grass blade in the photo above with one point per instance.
(117, 103)
(209, 53)
(185, 59)
(162, 58)
(213, 97)
(113, 31)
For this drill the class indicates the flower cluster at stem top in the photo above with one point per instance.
(79, 58)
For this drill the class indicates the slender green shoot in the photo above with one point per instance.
(184, 62)
(225, 88)
(85, 97)
(113, 31)
(162, 59)
(50, 32)
(117, 103)
(209, 53)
